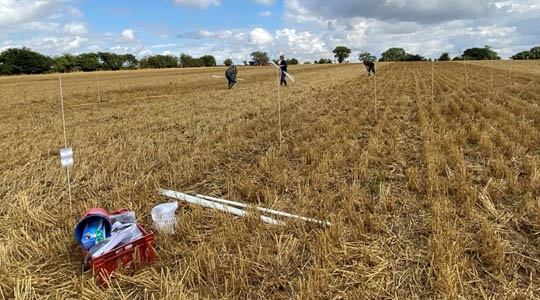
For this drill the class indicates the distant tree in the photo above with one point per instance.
(535, 51)
(444, 57)
(324, 61)
(316, 62)
(64, 63)
(341, 53)
(366, 56)
(208, 61)
(456, 58)
(129, 61)
(523, 55)
(24, 61)
(159, 62)
(292, 61)
(87, 62)
(228, 62)
(307, 63)
(480, 54)
(276, 61)
(260, 57)
(393, 54)
(187, 61)
(110, 61)
(245, 62)
(413, 57)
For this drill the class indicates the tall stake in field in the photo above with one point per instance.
(375, 97)
(65, 136)
(490, 90)
(98, 89)
(466, 75)
(279, 108)
(432, 79)
(510, 71)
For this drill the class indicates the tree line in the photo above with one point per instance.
(15, 61)
(399, 54)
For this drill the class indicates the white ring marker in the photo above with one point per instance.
(66, 157)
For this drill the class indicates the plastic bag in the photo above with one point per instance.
(164, 217)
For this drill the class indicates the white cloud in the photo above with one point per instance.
(202, 4)
(14, 12)
(260, 36)
(128, 34)
(144, 52)
(76, 28)
(265, 2)
(75, 12)
(166, 52)
(75, 44)
(265, 13)
(303, 43)
(158, 46)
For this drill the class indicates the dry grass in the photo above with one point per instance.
(429, 198)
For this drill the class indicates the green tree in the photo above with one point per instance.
(208, 61)
(260, 57)
(187, 61)
(523, 55)
(87, 62)
(129, 61)
(307, 63)
(292, 61)
(159, 62)
(24, 61)
(61, 64)
(535, 51)
(444, 57)
(480, 54)
(366, 56)
(413, 57)
(228, 62)
(324, 61)
(245, 62)
(110, 61)
(393, 54)
(341, 53)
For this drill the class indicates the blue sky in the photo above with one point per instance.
(305, 29)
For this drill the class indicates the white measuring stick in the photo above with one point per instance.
(266, 210)
(286, 74)
(214, 205)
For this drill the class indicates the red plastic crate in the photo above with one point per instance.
(126, 257)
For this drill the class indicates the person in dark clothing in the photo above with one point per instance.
(231, 75)
(370, 67)
(283, 65)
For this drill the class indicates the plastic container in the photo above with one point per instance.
(164, 217)
(129, 256)
(93, 227)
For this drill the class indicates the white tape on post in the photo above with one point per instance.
(66, 157)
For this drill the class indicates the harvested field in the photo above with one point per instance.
(432, 193)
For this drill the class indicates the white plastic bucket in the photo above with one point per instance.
(164, 217)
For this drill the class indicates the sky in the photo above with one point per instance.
(303, 29)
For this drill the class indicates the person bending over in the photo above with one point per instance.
(370, 67)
